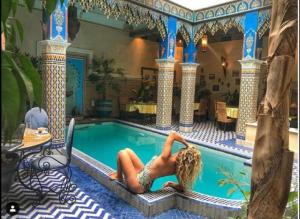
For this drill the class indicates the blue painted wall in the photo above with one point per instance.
(190, 53)
(76, 67)
(168, 45)
(250, 36)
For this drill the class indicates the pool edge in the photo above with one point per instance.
(157, 202)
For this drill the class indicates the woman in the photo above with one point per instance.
(185, 164)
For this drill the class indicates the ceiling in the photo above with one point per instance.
(199, 4)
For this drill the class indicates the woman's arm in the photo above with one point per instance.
(173, 136)
(173, 185)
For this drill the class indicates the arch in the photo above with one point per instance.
(189, 15)
(181, 13)
(230, 9)
(166, 8)
(184, 33)
(158, 4)
(242, 6)
(174, 10)
(255, 4)
(214, 26)
(220, 12)
(200, 16)
(209, 14)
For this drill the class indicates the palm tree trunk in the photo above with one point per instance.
(272, 161)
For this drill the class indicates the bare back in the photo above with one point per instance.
(163, 167)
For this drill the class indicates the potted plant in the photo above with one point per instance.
(103, 76)
(203, 94)
(232, 99)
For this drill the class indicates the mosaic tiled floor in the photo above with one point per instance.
(50, 207)
(93, 201)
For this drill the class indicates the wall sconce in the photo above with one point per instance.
(224, 65)
(204, 43)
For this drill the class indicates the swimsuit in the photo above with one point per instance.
(144, 178)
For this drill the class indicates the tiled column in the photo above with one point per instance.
(248, 103)
(53, 50)
(164, 93)
(250, 74)
(187, 96)
(54, 87)
(165, 77)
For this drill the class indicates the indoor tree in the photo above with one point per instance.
(272, 161)
(21, 84)
(104, 77)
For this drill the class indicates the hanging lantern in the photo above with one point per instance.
(204, 43)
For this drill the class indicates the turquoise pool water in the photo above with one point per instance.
(103, 141)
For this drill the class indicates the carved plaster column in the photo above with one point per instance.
(187, 96)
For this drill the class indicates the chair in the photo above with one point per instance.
(202, 111)
(60, 163)
(222, 115)
(36, 118)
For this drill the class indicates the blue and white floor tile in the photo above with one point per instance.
(93, 201)
(50, 207)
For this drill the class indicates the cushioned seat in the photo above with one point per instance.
(49, 162)
(36, 118)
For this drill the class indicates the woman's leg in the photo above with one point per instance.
(137, 163)
(130, 172)
(119, 174)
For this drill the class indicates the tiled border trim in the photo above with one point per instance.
(157, 202)
(215, 146)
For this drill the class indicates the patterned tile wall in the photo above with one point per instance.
(54, 87)
(248, 94)
(187, 96)
(164, 93)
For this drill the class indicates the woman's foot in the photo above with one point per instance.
(114, 176)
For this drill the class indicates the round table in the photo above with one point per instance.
(31, 144)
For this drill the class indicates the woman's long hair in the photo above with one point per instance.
(188, 166)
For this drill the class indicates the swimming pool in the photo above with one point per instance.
(103, 141)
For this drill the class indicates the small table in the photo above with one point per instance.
(31, 144)
(232, 112)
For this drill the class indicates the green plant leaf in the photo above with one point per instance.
(222, 182)
(5, 9)
(14, 5)
(50, 6)
(33, 76)
(20, 29)
(29, 4)
(231, 191)
(292, 196)
(25, 80)
(10, 104)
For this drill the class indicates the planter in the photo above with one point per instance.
(8, 170)
(104, 108)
